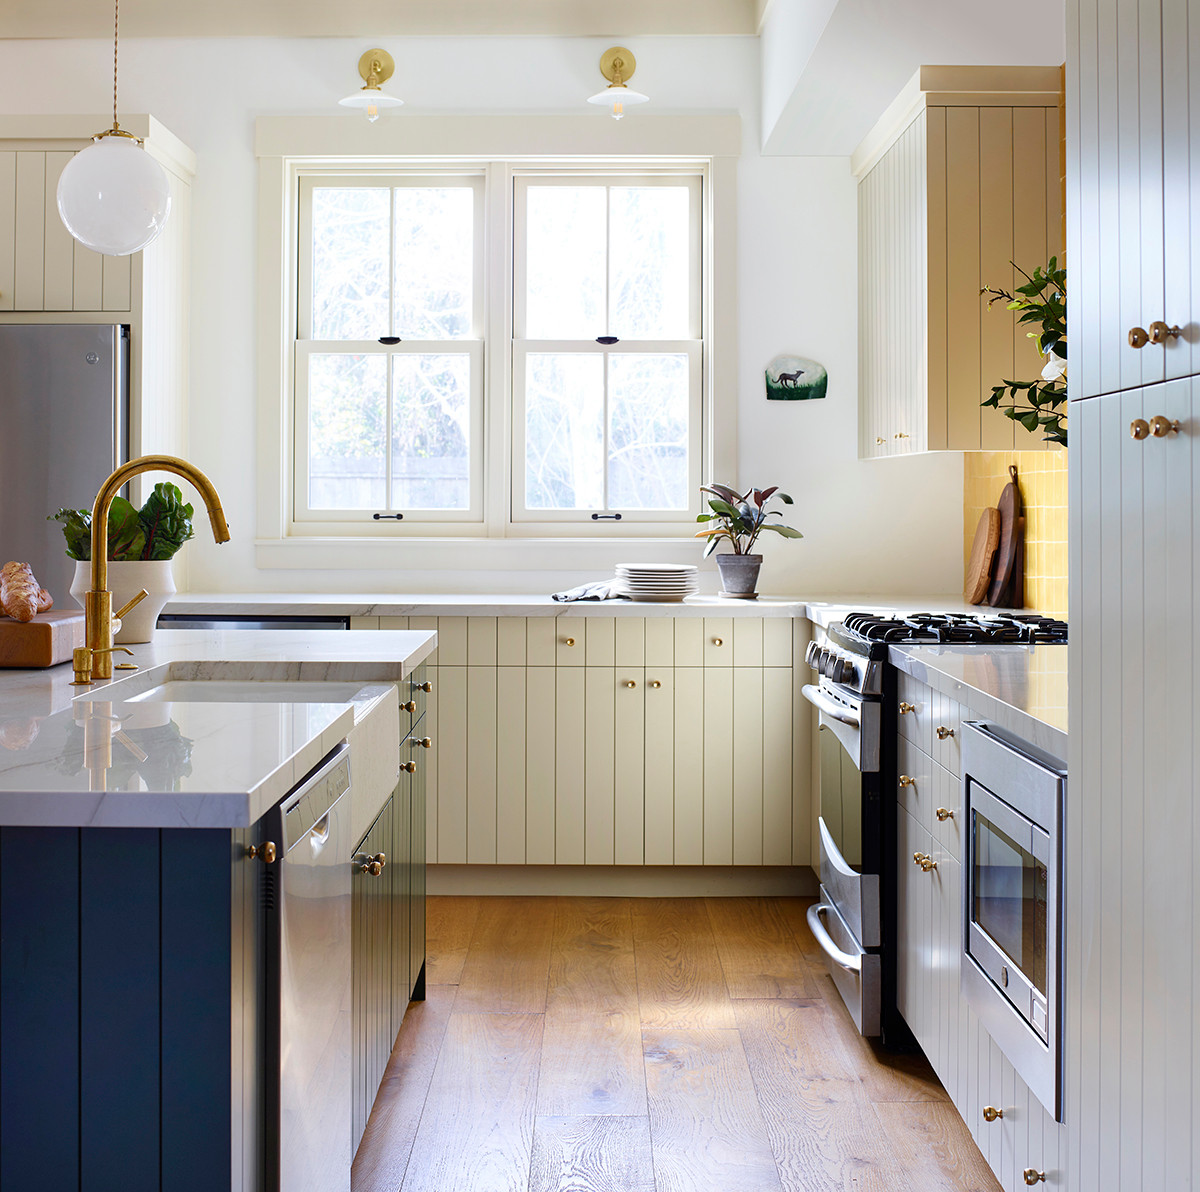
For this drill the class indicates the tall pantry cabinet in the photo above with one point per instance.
(1133, 828)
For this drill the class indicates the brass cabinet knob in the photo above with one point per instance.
(943, 732)
(944, 813)
(425, 742)
(880, 439)
(1160, 332)
(568, 641)
(409, 767)
(717, 641)
(1138, 337)
(928, 863)
(907, 780)
(900, 435)
(918, 858)
(906, 708)
(1160, 427)
(655, 684)
(409, 706)
(1139, 429)
(991, 1113)
(630, 683)
(374, 868)
(425, 687)
(264, 852)
(1033, 1176)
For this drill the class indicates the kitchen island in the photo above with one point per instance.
(135, 1014)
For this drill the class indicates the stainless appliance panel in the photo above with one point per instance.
(856, 973)
(855, 894)
(64, 394)
(314, 929)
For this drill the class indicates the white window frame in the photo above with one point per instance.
(287, 146)
(693, 346)
(337, 520)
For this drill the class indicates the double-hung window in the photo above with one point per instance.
(389, 352)
(586, 290)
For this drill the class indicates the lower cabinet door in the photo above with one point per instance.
(416, 878)
(371, 961)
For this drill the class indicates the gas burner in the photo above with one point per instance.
(998, 628)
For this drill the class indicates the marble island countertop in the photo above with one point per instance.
(99, 756)
(1021, 688)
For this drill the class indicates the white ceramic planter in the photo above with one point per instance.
(124, 580)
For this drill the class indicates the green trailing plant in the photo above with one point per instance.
(156, 531)
(741, 518)
(1042, 302)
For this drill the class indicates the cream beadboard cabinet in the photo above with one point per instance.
(48, 277)
(609, 741)
(1133, 823)
(959, 178)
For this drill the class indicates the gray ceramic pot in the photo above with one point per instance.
(739, 574)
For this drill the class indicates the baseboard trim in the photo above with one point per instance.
(625, 881)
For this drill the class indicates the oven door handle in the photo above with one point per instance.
(818, 698)
(824, 940)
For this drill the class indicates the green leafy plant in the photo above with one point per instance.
(741, 518)
(1041, 403)
(156, 531)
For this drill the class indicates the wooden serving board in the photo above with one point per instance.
(47, 640)
(983, 552)
(1010, 509)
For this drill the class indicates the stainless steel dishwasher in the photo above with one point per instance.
(308, 976)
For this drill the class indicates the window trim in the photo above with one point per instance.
(287, 144)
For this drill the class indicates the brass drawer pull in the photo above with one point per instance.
(906, 708)
(1139, 429)
(991, 1113)
(900, 435)
(264, 852)
(943, 732)
(568, 641)
(879, 439)
(1033, 1176)
(409, 767)
(425, 687)
(1160, 427)
(374, 865)
(907, 780)
(1139, 337)
(655, 684)
(630, 683)
(918, 858)
(944, 813)
(928, 863)
(410, 706)
(424, 742)
(1160, 332)
(718, 641)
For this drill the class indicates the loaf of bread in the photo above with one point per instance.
(20, 593)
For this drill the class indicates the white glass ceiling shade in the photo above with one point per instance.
(113, 196)
(615, 96)
(372, 100)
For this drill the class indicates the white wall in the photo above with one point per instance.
(867, 525)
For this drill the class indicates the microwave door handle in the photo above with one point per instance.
(831, 708)
(824, 940)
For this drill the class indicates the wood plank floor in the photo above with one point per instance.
(648, 1045)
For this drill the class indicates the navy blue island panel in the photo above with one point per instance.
(121, 958)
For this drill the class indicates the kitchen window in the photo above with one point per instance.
(498, 349)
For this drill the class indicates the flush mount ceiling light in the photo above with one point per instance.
(375, 66)
(113, 196)
(617, 65)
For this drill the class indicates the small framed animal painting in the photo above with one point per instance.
(794, 378)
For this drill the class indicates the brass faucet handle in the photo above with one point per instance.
(126, 607)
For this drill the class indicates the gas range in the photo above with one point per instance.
(856, 647)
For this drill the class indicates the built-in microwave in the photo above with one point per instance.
(1012, 910)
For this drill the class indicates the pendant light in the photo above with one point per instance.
(617, 65)
(113, 196)
(375, 67)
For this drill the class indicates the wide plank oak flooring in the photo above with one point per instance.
(648, 1045)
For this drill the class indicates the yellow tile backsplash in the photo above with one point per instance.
(1042, 479)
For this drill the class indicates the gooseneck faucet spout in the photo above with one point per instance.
(98, 600)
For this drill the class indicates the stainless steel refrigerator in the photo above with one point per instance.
(64, 426)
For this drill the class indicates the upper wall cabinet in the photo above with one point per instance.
(959, 179)
(1134, 143)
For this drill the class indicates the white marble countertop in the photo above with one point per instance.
(102, 760)
(1021, 688)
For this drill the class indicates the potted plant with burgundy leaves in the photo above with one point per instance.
(141, 544)
(741, 518)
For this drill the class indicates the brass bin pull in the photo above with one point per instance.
(264, 852)
(991, 1113)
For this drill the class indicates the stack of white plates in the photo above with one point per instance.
(662, 582)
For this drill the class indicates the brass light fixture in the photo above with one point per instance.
(113, 197)
(617, 65)
(375, 67)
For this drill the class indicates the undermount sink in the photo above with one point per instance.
(238, 691)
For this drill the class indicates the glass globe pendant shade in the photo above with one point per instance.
(113, 196)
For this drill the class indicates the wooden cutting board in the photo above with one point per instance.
(983, 553)
(1009, 506)
(47, 640)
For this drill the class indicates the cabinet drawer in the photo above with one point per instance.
(914, 714)
(946, 723)
(947, 811)
(916, 787)
(414, 696)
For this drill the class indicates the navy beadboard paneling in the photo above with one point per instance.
(39, 1008)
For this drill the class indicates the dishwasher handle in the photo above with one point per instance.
(825, 942)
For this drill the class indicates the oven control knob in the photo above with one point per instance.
(823, 657)
(843, 671)
(810, 655)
